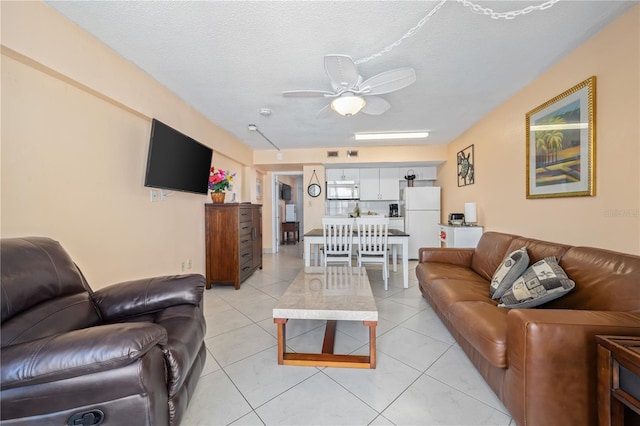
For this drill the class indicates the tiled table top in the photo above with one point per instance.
(329, 293)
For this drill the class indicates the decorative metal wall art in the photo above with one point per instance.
(466, 167)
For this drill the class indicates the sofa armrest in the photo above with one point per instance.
(143, 296)
(77, 353)
(552, 353)
(454, 256)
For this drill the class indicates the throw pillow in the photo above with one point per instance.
(508, 272)
(542, 282)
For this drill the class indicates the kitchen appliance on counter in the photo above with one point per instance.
(393, 210)
(422, 217)
(456, 219)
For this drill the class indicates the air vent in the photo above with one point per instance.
(351, 154)
(332, 154)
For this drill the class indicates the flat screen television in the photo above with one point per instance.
(285, 192)
(176, 161)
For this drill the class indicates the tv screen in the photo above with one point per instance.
(285, 192)
(176, 161)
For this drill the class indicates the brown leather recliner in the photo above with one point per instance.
(128, 354)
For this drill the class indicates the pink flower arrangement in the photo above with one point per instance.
(220, 180)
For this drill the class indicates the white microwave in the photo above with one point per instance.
(342, 190)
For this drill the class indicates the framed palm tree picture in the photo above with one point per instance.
(561, 144)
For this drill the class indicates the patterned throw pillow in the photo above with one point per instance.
(508, 272)
(542, 282)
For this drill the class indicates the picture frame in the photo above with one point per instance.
(560, 151)
(466, 169)
(258, 189)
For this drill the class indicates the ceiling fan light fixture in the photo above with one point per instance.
(396, 135)
(348, 104)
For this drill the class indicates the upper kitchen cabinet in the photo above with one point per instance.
(344, 175)
(379, 184)
(421, 173)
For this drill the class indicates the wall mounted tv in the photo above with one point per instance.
(285, 192)
(176, 161)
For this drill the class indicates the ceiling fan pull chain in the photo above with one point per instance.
(475, 8)
(408, 34)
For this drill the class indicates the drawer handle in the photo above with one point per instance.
(244, 241)
(246, 254)
(246, 268)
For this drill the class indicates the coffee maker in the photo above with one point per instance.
(393, 210)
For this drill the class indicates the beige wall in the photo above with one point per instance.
(611, 219)
(75, 131)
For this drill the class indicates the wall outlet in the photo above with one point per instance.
(182, 266)
(189, 264)
(154, 195)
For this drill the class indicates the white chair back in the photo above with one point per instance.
(338, 238)
(373, 234)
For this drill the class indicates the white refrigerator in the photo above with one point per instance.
(290, 213)
(421, 217)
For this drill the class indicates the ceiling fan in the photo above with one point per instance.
(351, 93)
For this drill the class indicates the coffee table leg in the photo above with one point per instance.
(372, 342)
(282, 338)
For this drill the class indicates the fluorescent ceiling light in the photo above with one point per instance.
(399, 135)
(564, 126)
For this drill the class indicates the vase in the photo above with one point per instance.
(218, 197)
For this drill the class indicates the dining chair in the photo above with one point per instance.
(373, 234)
(338, 238)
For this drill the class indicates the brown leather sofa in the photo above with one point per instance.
(540, 362)
(128, 354)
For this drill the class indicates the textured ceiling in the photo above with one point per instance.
(229, 59)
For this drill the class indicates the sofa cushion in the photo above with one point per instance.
(541, 282)
(605, 280)
(538, 249)
(484, 327)
(35, 270)
(508, 272)
(444, 292)
(427, 272)
(490, 252)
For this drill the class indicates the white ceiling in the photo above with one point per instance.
(229, 59)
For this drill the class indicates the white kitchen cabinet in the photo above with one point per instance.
(460, 236)
(421, 173)
(335, 175)
(379, 184)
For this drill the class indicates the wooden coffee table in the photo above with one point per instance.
(332, 293)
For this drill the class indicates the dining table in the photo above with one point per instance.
(314, 238)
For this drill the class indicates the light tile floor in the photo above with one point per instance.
(422, 375)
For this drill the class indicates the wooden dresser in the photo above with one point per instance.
(233, 242)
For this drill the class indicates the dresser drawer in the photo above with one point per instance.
(246, 269)
(245, 243)
(244, 228)
(245, 255)
(246, 214)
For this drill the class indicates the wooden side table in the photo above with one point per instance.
(618, 380)
(290, 228)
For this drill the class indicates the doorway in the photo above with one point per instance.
(294, 181)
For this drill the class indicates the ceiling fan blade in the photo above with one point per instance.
(388, 81)
(375, 105)
(325, 112)
(307, 94)
(341, 70)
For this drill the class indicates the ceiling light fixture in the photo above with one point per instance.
(397, 135)
(348, 104)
